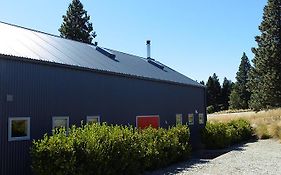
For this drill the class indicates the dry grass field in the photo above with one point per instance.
(267, 124)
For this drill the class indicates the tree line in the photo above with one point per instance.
(230, 95)
(257, 86)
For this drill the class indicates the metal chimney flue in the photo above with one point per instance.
(148, 49)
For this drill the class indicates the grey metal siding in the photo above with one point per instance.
(14, 155)
(42, 91)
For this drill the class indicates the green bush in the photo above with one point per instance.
(217, 135)
(242, 130)
(163, 147)
(102, 149)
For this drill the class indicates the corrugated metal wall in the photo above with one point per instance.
(42, 91)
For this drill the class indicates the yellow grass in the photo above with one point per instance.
(267, 124)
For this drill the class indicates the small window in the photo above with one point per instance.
(190, 119)
(93, 119)
(178, 119)
(61, 122)
(201, 118)
(19, 128)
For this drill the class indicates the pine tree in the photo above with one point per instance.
(210, 95)
(213, 92)
(240, 95)
(234, 99)
(225, 92)
(265, 76)
(76, 25)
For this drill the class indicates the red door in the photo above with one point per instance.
(146, 121)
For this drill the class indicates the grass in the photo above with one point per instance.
(267, 124)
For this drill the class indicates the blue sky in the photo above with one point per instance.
(196, 38)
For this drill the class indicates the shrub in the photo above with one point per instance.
(53, 154)
(214, 135)
(242, 130)
(102, 149)
(163, 147)
(217, 135)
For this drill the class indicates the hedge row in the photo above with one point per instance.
(103, 149)
(218, 135)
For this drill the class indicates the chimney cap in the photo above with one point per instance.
(147, 41)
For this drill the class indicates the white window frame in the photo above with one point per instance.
(178, 114)
(93, 117)
(142, 116)
(62, 118)
(10, 138)
(190, 123)
(199, 120)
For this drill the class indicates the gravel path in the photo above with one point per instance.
(260, 157)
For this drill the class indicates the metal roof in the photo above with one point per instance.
(34, 45)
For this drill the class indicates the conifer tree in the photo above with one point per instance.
(210, 95)
(240, 95)
(234, 99)
(76, 24)
(213, 92)
(265, 76)
(225, 92)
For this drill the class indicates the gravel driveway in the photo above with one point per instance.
(260, 157)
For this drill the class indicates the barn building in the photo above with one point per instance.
(47, 82)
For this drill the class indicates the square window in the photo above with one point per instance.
(178, 119)
(201, 118)
(93, 119)
(190, 119)
(61, 122)
(19, 128)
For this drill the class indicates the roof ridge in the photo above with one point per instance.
(45, 33)
(14, 25)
